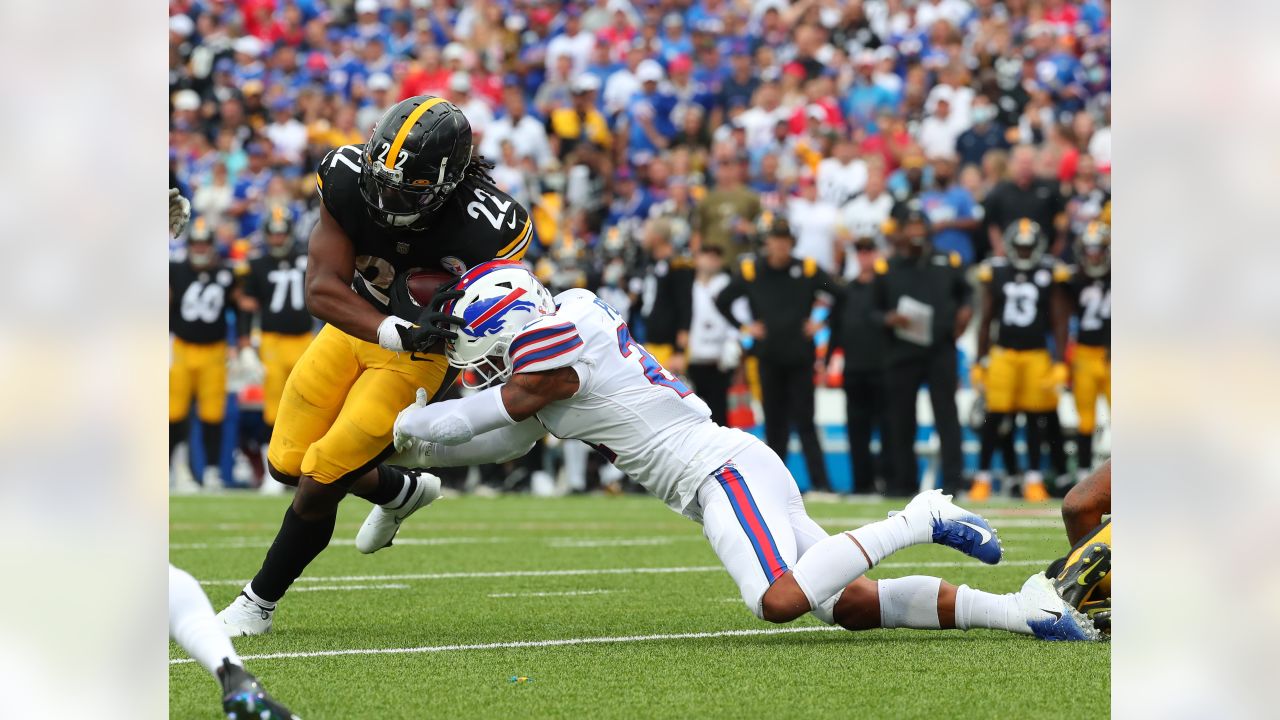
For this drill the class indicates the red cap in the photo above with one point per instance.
(681, 64)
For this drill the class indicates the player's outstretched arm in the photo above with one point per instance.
(494, 447)
(331, 266)
(454, 422)
(1088, 501)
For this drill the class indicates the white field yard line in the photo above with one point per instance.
(567, 593)
(603, 571)
(318, 588)
(534, 643)
(240, 543)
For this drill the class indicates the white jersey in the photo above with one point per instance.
(628, 407)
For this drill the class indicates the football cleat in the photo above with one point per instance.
(243, 696)
(1076, 580)
(382, 524)
(1049, 616)
(956, 527)
(1035, 492)
(245, 617)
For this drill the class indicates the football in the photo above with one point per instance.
(423, 284)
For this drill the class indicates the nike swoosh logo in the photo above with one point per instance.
(512, 225)
(1056, 615)
(986, 536)
(1081, 580)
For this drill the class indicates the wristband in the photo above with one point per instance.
(389, 335)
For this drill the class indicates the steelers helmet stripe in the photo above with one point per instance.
(518, 245)
(319, 182)
(403, 133)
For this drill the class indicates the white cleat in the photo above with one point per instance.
(212, 479)
(382, 524)
(182, 481)
(246, 617)
(1049, 616)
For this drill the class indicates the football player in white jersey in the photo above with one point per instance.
(569, 366)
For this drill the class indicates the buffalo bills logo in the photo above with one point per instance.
(484, 317)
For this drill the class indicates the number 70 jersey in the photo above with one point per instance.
(477, 223)
(628, 407)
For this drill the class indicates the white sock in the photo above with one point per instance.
(978, 609)
(249, 593)
(832, 563)
(909, 602)
(193, 625)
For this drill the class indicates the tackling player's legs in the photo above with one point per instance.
(333, 431)
(193, 625)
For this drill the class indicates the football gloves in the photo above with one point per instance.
(433, 325)
(179, 212)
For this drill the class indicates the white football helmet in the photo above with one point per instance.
(498, 299)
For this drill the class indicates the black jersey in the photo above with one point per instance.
(277, 284)
(198, 302)
(1020, 300)
(477, 223)
(1092, 299)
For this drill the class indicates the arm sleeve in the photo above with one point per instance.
(546, 344)
(496, 446)
(454, 422)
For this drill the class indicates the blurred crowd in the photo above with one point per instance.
(645, 135)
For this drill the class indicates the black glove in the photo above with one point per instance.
(432, 326)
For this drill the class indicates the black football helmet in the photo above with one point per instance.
(416, 156)
(278, 231)
(1025, 244)
(200, 250)
(1093, 250)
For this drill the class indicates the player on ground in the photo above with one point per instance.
(412, 198)
(272, 289)
(1083, 576)
(570, 366)
(1019, 373)
(1089, 291)
(200, 289)
(192, 623)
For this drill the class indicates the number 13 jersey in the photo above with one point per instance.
(1020, 300)
(628, 407)
(477, 223)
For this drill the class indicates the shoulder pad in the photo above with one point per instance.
(881, 266)
(749, 270)
(810, 267)
(548, 343)
(984, 270)
(1061, 272)
(955, 259)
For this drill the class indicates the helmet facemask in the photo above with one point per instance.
(1025, 245)
(1093, 251)
(395, 204)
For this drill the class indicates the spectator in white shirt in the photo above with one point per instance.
(864, 215)
(573, 41)
(527, 134)
(475, 109)
(509, 173)
(287, 134)
(212, 198)
(843, 175)
(939, 130)
(765, 113)
(712, 340)
(622, 84)
(813, 223)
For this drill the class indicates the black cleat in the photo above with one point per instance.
(1077, 579)
(243, 697)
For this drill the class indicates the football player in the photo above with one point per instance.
(569, 366)
(192, 623)
(272, 289)
(1089, 292)
(413, 197)
(1019, 373)
(1083, 576)
(200, 290)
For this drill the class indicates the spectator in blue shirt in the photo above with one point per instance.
(984, 135)
(675, 40)
(648, 115)
(866, 98)
(251, 187)
(951, 210)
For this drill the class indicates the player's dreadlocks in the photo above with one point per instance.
(479, 169)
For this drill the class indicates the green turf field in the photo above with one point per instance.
(394, 635)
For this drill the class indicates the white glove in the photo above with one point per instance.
(730, 355)
(403, 440)
(179, 212)
(251, 370)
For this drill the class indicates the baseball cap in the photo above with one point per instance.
(780, 228)
(181, 25)
(460, 82)
(249, 45)
(186, 100)
(681, 63)
(816, 112)
(454, 51)
(367, 6)
(649, 71)
(379, 81)
(585, 83)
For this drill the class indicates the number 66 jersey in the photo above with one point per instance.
(628, 407)
(477, 223)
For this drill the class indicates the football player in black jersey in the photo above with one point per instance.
(200, 290)
(413, 197)
(272, 289)
(1022, 295)
(1089, 291)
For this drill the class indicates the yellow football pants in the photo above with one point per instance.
(198, 370)
(1090, 377)
(1017, 381)
(340, 402)
(279, 353)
